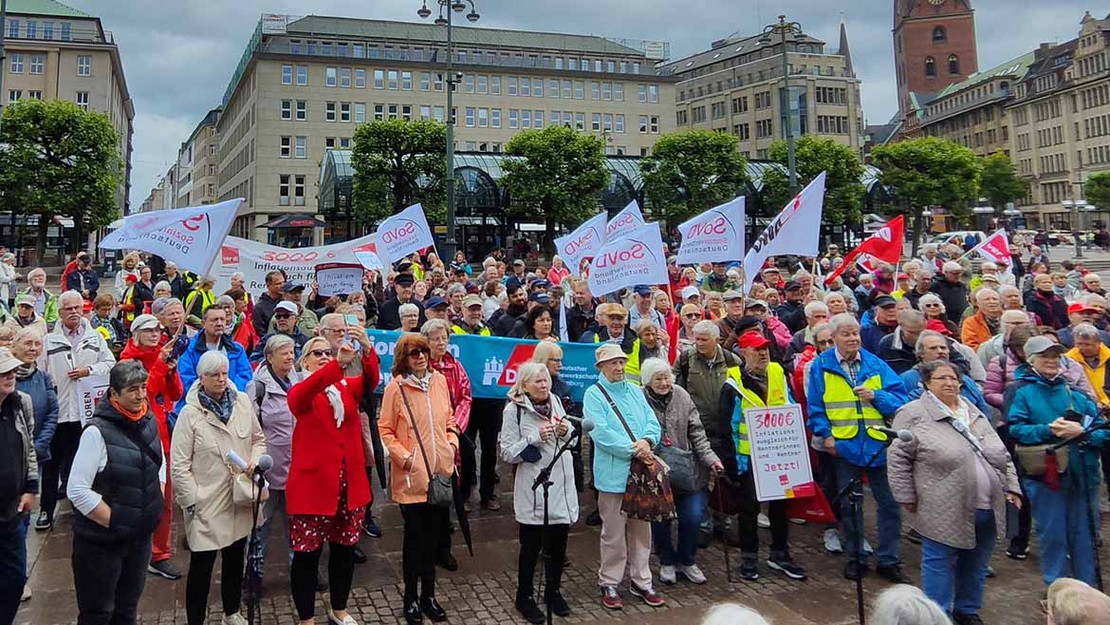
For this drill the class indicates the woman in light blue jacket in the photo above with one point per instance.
(623, 540)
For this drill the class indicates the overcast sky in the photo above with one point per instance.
(178, 56)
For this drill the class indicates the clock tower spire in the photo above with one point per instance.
(934, 46)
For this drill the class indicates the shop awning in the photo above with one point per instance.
(295, 220)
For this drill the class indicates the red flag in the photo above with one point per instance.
(886, 244)
(995, 248)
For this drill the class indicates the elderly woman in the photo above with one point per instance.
(682, 429)
(328, 488)
(418, 428)
(954, 479)
(651, 342)
(906, 605)
(836, 303)
(215, 495)
(538, 324)
(129, 265)
(934, 308)
(410, 316)
(714, 305)
(35, 383)
(1045, 410)
(558, 271)
(8, 277)
(533, 428)
(551, 356)
(163, 290)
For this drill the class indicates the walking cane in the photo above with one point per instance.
(724, 541)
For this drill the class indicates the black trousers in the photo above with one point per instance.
(64, 447)
(826, 478)
(109, 580)
(200, 580)
(554, 553)
(749, 522)
(48, 484)
(483, 430)
(302, 577)
(424, 526)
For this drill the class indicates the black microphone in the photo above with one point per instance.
(265, 463)
(587, 424)
(903, 435)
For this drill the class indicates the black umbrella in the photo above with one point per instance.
(460, 511)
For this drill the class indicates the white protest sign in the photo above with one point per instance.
(367, 254)
(89, 391)
(583, 243)
(780, 454)
(717, 235)
(190, 237)
(339, 278)
(795, 230)
(624, 222)
(256, 259)
(402, 234)
(634, 259)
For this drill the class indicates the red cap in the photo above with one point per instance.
(86, 307)
(131, 278)
(753, 339)
(936, 325)
(903, 276)
(1079, 308)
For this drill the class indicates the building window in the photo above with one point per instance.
(283, 190)
(526, 87)
(330, 77)
(392, 76)
(65, 31)
(495, 85)
(301, 147)
(483, 118)
(298, 190)
(360, 113)
(14, 95)
(495, 118)
(345, 77)
(360, 79)
(526, 118)
(930, 66)
(286, 110)
(34, 95)
(953, 64)
(406, 81)
(620, 123)
(653, 94)
(537, 119)
(286, 147)
(302, 111)
(643, 93)
(514, 118)
(345, 112)
(38, 61)
(13, 29)
(940, 35)
(483, 84)
(329, 112)
(32, 29)
(286, 74)
(469, 117)
(379, 79)
(15, 66)
(84, 65)
(512, 86)
(82, 100)
(302, 75)
(537, 87)
(595, 90)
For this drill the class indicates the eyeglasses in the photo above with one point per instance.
(931, 305)
(692, 316)
(415, 353)
(282, 316)
(320, 353)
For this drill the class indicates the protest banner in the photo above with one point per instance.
(491, 362)
(256, 259)
(339, 278)
(583, 243)
(190, 237)
(796, 230)
(367, 254)
(89, 391)
(996, 249)
(886, 245)
(634, 259)
(402, 234)
(624, 223)
(780, 453)
(717, 235)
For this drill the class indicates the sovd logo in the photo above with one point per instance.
(193, 224)
(716, 227)
(579, 243)
(613, 226)
(609, 259)
(396, 234)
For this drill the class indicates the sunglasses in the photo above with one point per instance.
(320, 353)
(692, 316)
(282, 316)
(415, 353)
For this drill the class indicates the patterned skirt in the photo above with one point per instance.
(308, 532)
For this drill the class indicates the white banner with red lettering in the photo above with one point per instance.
(625, 222)
(796, 230)
(256, 259)
(582, 244)
(717, 235)
(634, 259)
(402, 234)
(189, 237)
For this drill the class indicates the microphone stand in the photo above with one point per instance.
(544, 480)
(1088, 501)
(854, 492)
(254, 583)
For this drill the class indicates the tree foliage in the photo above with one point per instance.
(999, 182)
(692, 170)
(557, 176)
(398, 163)
(813, 155)
(58, 160)
(1097, 190)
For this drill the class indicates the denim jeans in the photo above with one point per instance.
(890, 518)
(13, 565)
(691, 509)
(273, 507)
(1063, 532)
(953, 577)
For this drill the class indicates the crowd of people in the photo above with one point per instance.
(993, 378)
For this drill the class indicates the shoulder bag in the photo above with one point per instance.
(647, 495)
(1034, 458)
(440, 493)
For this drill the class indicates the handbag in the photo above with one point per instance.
(683, 470)
(440, 493)
(243, 489)
(647, 494)
(1034, 458)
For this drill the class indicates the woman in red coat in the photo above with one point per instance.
(327, 490)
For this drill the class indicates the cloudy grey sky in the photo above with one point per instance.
(179, 56)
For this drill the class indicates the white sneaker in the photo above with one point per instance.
(26, 596)
(694, 574)
(667, 574)
(867, 547)
(233, 619)
(346, 620)
(763, 521)
(832, 541)
(797, 521)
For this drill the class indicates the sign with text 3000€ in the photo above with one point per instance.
(780, 454)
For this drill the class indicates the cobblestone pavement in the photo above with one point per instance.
(482, 591)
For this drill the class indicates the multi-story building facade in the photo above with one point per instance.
(56, 52)
(198, 164)
(304, 85)
(734, 88)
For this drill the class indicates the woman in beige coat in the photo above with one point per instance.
(216, 420)
(954, 478)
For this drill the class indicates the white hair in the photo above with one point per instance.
(1008, 288)
(238, 274)
(907, 605)
(705, 326)
(211, 361)
(652, 367)
(982, 293)
(163, 285)
(834, 295)
(277, 342)
(37, 271)
(526, 373)
(919, 347)
(69, 295)
(432, 325)
(407, 308)
(931, 298)
(1085, 331)
(813, 308)
(843, 320)
(732, 614)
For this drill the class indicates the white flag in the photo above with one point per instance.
(563, 336)
(796, 230)
(624, 222)
(626, 262)
(402, 234)
(584, 242)
(717, 235)
(189, 237)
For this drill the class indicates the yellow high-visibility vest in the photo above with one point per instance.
(457, 329)
(776, 396)
(846, 411)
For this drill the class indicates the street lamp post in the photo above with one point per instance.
(446, 8)
(782, 29)
(1075, 207)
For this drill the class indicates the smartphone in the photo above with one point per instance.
(352, 320)
(1073, 416)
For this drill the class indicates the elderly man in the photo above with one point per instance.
(435, 307)
(852, 391)
(952, 291)
(46, 303)
(884, 320)
(1092, 283)
(84, 279)
(20, 476)
(734, 307)
(580, 316)
(614, 317)
(816, 313)
(388, 317)
(212, 336)
(72, 351)
(897, 348)
(471, 320)
(285, 323)
(792, 311)
(863, 292)
(171, 314)
(25, 315)
(717, 280)
(1080, 313)
(980, 327)
(307, 319)
(176, 280)
(932, 346)
(644, 308)
(996, 345)
(626, 428)
(923, 282)
(264, 307)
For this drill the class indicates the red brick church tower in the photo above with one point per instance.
(934, 46)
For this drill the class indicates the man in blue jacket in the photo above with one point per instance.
(212, 336)
(852, 391)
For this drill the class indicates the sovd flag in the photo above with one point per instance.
(584, 242)
(402, 234)
(717, 235)
(190, 237)
(624, 222)
(795, 230)
(885, 244)
(634, 259)
(996, 248)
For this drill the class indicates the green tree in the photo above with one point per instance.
(813, 155)
(58, 160)
(1097, 190)
(398, 163)
(929, 172)
(999, 182)
(692, 170)
(557, 176)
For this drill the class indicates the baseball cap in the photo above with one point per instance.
(756, 303)
(26, 299)
(731, 295)
(606, 352)
(903, 276)
(952, 266)
(540, 297)
(9, 363)
(287, 306)
(435, 301)
(518, 262)
(145, 322)
(642, 290)
(292, 286)
(1079, 307)
(540, 284)
(1043, 345)
(404, 279)
(471, 300)
(753, 339)
(772, 269)
(883, 301)
(690, 291)
(131, 277)
(792, 285)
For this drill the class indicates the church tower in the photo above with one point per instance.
(934, 46)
